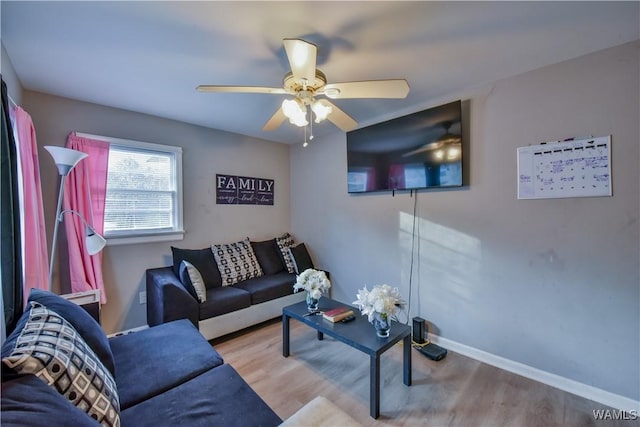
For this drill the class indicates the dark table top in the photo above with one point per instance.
(358, 333)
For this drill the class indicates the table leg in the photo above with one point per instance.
(285, 335)
(320, 336)
(374, 387)
(406, 346)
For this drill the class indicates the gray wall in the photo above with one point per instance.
(205, 153)
(552, 284)
(14, 88)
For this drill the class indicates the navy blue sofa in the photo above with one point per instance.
(167, 375)
(227, 308)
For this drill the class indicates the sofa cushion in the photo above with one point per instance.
(236, 261)
(28, 401)
(301, 258)
(191, 277)
(268, 255)
(284, 243)
(50, 348)
(87, 327)
(224, 300)
(266, 288)
(154, 360)
(217, 397)
(203, 260)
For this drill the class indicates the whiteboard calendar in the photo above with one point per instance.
(572, 168)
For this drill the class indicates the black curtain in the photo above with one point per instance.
(10, 221)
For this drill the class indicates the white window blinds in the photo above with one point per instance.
(144, 192)
(141, 191)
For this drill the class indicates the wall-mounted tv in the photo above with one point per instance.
(416, 151)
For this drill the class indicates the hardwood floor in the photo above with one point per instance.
(456, 391)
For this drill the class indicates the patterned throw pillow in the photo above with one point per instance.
(284, 243)
(236, 262)
(196, 280)
(51, 349)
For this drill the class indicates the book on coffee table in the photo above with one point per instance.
(337, 314)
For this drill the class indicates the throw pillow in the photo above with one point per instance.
(185, 280)
(203, 260)
(236, 262)
(195, 279)
(87, 327)
(301, 258)
(268, 255)
(284, 243)
(51, 349)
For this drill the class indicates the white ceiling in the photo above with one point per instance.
(149, 56)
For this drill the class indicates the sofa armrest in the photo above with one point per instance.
(167, 299)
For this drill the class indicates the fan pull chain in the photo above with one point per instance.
(305, 143)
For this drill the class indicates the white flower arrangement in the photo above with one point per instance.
(313, 281)
(382, 299)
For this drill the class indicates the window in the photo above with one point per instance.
(144, 192)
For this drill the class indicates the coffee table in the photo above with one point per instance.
(358, 334)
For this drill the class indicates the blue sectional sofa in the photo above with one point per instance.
(167, 375)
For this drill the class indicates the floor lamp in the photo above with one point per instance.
(66, 159)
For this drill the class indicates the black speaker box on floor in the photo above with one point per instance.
(433, 351)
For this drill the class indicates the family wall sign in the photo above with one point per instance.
(243, 190)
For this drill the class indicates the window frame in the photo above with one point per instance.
(177, 233)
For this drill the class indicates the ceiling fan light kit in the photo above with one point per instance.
(321, 110)
(304, 82)
(296, 111)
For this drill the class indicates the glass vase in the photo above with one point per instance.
(382, 324)
(312, 303)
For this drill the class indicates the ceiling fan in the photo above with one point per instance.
(305, 82)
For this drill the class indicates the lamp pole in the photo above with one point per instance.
(55, 232)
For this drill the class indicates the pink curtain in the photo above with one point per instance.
(36, 257)
(85, 192)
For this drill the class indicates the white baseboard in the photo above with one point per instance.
(580, 389)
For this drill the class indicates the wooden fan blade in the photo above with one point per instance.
(302, 58)
(241, 89)
(398, 88)
(340, 118)
(275, 121)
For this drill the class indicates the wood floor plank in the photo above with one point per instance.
(456, 391)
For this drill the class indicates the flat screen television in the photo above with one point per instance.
(416, 151)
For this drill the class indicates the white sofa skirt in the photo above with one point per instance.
(218, 326)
